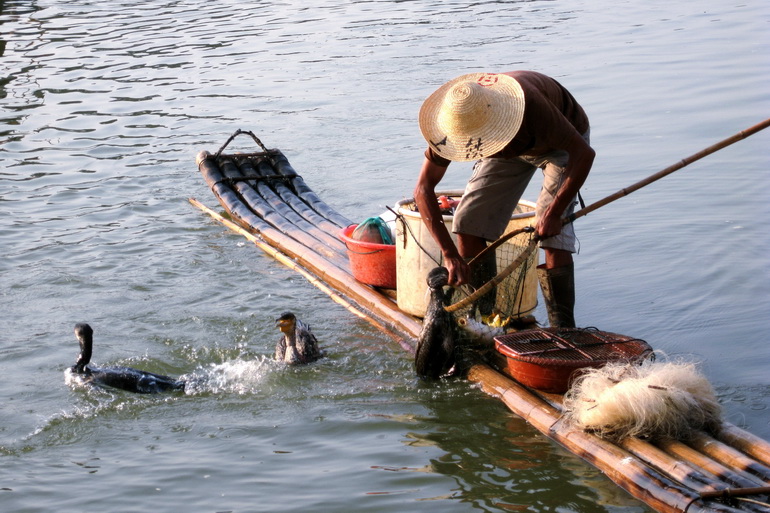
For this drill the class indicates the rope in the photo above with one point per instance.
(237, 133)
(736, 493)
(400, 217)
(256, 178)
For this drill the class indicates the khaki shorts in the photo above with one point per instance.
(496, 187)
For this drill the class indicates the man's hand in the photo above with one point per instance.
(581, 158)
(459, 271)
(548, 226)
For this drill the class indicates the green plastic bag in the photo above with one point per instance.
(374, 230)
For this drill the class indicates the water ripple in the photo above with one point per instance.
(102, 109)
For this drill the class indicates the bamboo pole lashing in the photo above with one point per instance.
(293, 218)
(304, 192)
(740, 493)
(277, 213)
(292, 198)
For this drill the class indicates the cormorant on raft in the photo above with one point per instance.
(298, 344)
(437, 345)
(124, 378)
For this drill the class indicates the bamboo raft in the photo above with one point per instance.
(270, 204)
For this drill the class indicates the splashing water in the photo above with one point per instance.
(237, 376)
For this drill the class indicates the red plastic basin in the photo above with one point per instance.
(370, 263)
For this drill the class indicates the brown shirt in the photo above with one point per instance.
(551, 116)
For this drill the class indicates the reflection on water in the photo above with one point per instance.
(102, 110)
(524, 470)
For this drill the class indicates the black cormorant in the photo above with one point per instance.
(124, 378)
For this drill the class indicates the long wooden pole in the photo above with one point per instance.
(670, 169)
(612, 197)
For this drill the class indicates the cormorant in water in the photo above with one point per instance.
(125, 378)
(298, 344)
(436, 353)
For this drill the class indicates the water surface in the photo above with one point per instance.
(104, 107)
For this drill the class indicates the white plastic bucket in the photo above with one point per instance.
(417, 253)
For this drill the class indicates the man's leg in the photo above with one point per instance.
(484, 212)
(470, 245)
(557, 281)
(557, 274)
(482, 271)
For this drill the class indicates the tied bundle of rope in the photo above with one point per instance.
(651, 400)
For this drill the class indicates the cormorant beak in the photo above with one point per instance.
(285, 325)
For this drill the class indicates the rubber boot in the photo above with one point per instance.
(558, 285)
(482, 271)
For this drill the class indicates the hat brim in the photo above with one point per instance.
(501, 123)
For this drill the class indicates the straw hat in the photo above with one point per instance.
(472, 116)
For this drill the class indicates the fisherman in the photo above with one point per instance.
(511, 123)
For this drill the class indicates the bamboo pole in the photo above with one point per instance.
(733, 477)
(747, 442)
(729, 456)
(670, 169)
(609, 199)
